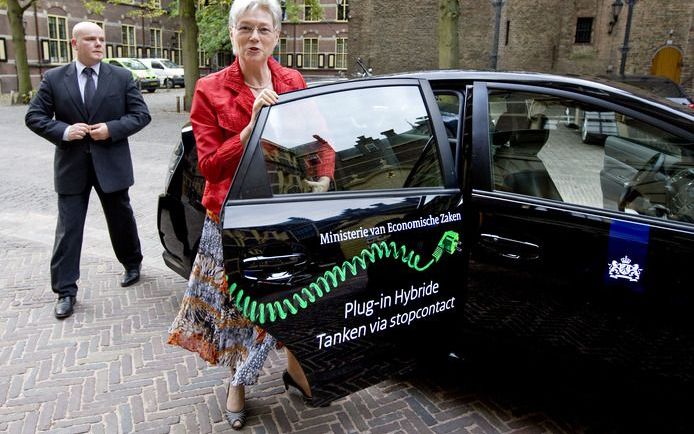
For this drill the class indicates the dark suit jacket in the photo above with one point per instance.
(117, 102)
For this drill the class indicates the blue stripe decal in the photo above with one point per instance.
(627, 252)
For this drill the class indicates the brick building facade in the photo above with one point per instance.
(48, 30)
(560, 36)
(313, 47)
(317, 47)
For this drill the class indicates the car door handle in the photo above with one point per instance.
(276, 269)
(509, 248)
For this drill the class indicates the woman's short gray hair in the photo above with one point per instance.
(240, 7)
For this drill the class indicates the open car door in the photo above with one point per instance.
(343, 229)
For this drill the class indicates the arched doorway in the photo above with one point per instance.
(667, 62)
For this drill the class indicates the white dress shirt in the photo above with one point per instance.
(81, 81)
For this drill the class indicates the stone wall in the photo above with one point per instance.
(394, 35)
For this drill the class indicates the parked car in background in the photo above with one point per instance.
(465, 209)
(144, 77)
(169, 73)
(661, 86)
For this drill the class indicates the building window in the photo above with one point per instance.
(58, 42)
(176, 48)
(203, 58)
(311, 53)
(342, 10)
(128, 40)
(341, 53)
(280, 53)
(508, 30)
(155, 42)
(584, 29)
(98, 23)
(308, 12)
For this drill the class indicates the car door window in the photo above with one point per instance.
(561, 149)
(361, 139)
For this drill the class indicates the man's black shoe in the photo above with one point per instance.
(64, 306)
(130, 276)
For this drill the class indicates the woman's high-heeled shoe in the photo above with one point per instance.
(237, 419)
(289, 381)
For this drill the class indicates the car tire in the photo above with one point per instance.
(168, 84)
(151, 90)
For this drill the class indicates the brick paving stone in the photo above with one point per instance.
(203, 419)
(108, 369)
(383, 429)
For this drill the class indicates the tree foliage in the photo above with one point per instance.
(295, 13)
(212, 18)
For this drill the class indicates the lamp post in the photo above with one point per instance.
(498, 4)
(627, 30)
(616, 9)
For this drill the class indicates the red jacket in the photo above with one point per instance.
(221, 109)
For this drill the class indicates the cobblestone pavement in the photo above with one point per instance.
(107, 369)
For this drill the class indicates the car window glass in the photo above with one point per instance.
(449, 106)
(360, 139)
(561, 149)
(134, 64)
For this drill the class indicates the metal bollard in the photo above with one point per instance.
(178, 104)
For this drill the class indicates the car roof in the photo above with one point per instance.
(122, 59)
(601, 88)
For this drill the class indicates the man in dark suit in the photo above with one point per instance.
(88, 109)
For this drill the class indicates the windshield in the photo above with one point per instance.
(133, 64)
(170, 64)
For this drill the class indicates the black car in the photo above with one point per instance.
(463, 204)
(661, 86)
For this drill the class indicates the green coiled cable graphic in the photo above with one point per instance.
(279, 309)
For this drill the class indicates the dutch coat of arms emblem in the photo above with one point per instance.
(625, 270)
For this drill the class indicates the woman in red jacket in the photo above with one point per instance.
(224, 110)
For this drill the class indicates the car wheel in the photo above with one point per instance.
(168, 84)
(585, 137)
(151, 90)
(591, 138)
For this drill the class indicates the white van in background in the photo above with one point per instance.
(169, 73)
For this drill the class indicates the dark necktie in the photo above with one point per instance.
(89, 89)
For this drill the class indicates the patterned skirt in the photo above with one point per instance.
(209, 324)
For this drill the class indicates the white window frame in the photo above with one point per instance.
(176, 54)
(340, 55)
(155, 42)
(310, 56)
(128, 40)
(342, 5)
(305, 8)
(59, 45)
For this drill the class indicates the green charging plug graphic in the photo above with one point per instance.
(331, 279)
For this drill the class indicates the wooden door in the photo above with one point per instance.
(667, 63)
